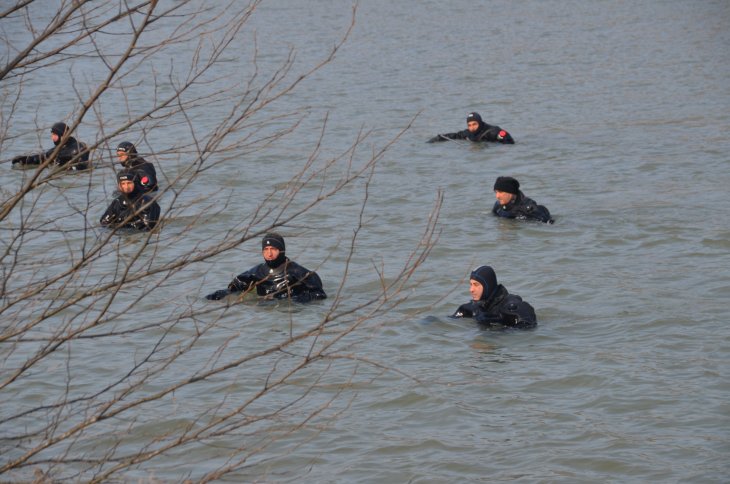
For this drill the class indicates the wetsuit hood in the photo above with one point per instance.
(276, 262)
(59, 129)
(483, 127)
(485, 276)
(131, 151)
(276, 241)
(474, 117)
(133, 176)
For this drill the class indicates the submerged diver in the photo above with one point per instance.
(73, 154)
(477, 130)
(277, 277)
(128, 157)
(492, 304)
(512, 203)
(132, 208)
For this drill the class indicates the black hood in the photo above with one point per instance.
(132, 175)
(474, 117)
(277, 241)
(482, 125)
(131, 151)
(487, 278)
(59, 129)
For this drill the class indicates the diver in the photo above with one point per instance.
(477, 130)
(73, 154)
(277, 277)
(492, 305)
(128, 157)
(512, 203)
(132, 208)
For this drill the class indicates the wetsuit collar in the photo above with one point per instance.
(273, 264)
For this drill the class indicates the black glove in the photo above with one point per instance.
(435, 139)
(22, 159)
(219, 294)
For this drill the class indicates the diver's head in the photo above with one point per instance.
(482, 283)
(125, 152)
(506, 189)
(57, 132)
(128, 182)
(273, 249)
(473, 122)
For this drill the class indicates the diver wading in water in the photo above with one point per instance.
(128, 157)
(72, 155)
(512, 203)
(132, 209)
(277, 277)
(477, 130)
(493, 305)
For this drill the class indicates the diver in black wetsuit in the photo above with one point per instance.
(277, 277)
(493, 305)
(73, 155)
(132, 208)
(512, 203)
(477, 130)
(127, 155)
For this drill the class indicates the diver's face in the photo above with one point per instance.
(270, 253)
(475, 289)
(126, 186)
(503, 197)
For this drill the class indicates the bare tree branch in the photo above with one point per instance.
(71, 291)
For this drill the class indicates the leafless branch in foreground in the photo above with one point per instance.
(70, 289)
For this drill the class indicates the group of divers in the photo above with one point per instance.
(278, 277)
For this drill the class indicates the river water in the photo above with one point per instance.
(621, 113)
